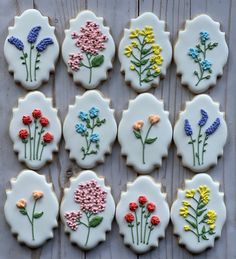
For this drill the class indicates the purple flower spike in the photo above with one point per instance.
(215, 125)
(33, 34)
(188, 128)
(203, 119)
(42, 45)
(16, 42)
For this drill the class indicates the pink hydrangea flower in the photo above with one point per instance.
(74, 61)
(91, 197)
(72, 219)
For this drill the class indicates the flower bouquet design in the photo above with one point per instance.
(199, 56)
(199, 144)
(22, 206)
(138, 220)
(137, 130)
(91, 41)
(31, 58)
(201, 221)
(145, 55)
(86, 129)
(92, 200)
(34, 138)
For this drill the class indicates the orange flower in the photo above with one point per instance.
(138, 125)
(21, 204)
(37, 195)
(153, 119)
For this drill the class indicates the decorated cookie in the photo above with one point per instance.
(145, 52)
(89, 129)
(145, 133)
(199, 213)
(88, 49)
(200, 53)
(200, 133)
(31, 49)
(31, 208)
(35, 129)
(87, 210)
(142, 214)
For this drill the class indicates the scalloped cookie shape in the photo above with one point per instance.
(31, 208)
(35, 130)
(88, 49)
(200, 133)
(199, 213)
(145, 52)
(89, 129)
(145, 133)
(87, 222)
(200, 53)
(142, 214)
(31, 49)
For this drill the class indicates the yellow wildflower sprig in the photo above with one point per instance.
(200, 221)
(145, 55)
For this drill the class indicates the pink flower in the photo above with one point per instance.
(72, 219)
(91, 197)
(90, 39)
(74, 61)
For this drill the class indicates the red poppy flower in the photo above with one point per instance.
(155, 220)
(36, 113)
(129, 217)
(47, 137)
(44, 121)
(142, 199)
(26, 119)
(151, 207)
(23, 134)
(133, 206)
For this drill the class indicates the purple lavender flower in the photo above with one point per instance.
(42, 45)
(203, 119)
(215, 125)
(188, 128)
(33, 34)
(16, 42)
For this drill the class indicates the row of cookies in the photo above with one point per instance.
(31, 50)
(144, 132)
(87, 211)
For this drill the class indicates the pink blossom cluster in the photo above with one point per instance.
(74, 61)
(91, 197)
(72, 219)
(90, 39)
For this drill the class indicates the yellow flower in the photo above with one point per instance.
(134, 44)
(211, 216)
(186, 203)
(183, 212)
(187, 228)
(128, 50)
(204, 192)
(212, 227)
(156, 49)
(150, 38)
(190, 193)
(148, 30)
(134, 33)
(132, 67)
(156, 68)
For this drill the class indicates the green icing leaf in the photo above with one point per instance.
(199, 213)
(97, 61)
(150, 140)
(23, 211)
(38, 215)
(144, 61)
(136, 63)
(137, 134)
(95, 221)
(145, 51)
(191, 223)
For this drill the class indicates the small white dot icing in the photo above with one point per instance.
(200, 53)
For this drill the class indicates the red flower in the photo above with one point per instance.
(151, 207)
(129, 217)
(155, 220)
(133, 206)
(44, 121)
(26, 119)
(142, 199)
(36, 113)
(23, 134)
(47, 137)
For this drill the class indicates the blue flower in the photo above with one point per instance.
(203, 119)
(93, 112)
(42, 45)
(193, 52)
(215, 125)
(83, 116)
(187, 128)
(94, 137)
(204, 36)
(16, 42)
(80, 128)
(33, 34)
(205, 64)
